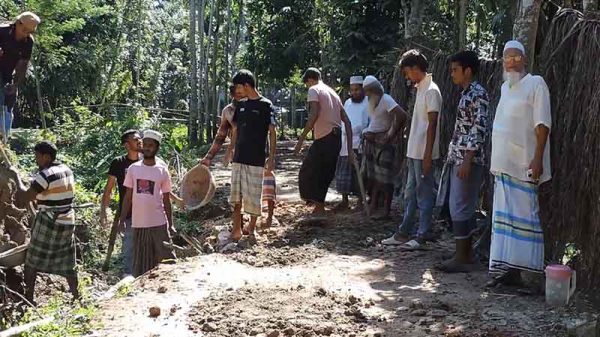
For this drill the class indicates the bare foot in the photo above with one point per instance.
(236, 235)
(249, 230)
(343, 206)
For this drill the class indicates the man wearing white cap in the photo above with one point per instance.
(379, 167)
(148, 192)
(346, 178)
(520, 162)
(16, 44)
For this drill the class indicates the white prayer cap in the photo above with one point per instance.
(151, 134)
(356, 80)
(514, 44)
(370, 80)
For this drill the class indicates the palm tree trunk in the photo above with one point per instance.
(525, 26)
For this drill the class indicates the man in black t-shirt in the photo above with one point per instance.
(16, 44)
(254, 121)
(131, 140)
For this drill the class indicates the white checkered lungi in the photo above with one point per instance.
(246, 187)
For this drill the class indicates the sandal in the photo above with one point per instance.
(393, 241)
(412, 246)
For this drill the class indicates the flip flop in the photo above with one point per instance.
(391, 241)
(412, 246)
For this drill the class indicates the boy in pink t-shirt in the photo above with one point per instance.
(148, 196)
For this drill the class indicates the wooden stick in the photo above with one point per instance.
(361, 185)
(114, 231)
(191, 242)
(17, 330)
(4, 156)
(21, 297)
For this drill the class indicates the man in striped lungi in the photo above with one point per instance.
(520, 162)
(52, 246)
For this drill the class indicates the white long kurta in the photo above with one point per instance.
(359, 118)
(521, 109)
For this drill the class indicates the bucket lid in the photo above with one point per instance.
(558, 271)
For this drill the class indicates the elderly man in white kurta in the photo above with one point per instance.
(520, 163)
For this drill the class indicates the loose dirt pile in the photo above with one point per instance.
(280, 312)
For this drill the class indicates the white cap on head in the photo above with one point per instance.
(356, 80)
(514, 44)
(151, 134)
(370, 80)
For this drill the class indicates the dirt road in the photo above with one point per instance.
(327, 279)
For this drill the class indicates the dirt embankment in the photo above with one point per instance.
(14, 218)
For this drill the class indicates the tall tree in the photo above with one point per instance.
(214, 74)
(526, 25)
(193, 115)
(206, 83)
(413, 18)
(462, 23)
(203, 118)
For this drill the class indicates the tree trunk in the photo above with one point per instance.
(238, 36)
(590, 5)
(462, 24)
(214, 78)
(193, 116)
(228, 40)
(415, 19)
(200, 74)
(525, 27)
(38, 91)
(480, 17)
(207, 90)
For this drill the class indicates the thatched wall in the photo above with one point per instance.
(570, 64)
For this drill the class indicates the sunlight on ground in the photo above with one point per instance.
(428, 284)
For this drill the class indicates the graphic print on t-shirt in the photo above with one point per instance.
(145, 186)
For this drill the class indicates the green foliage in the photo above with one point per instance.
(70, 319)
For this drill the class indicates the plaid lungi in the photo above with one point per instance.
(379, 162)
(269, 187)
(148, 248)
(346, 179)
(246, 187)
(52, 246)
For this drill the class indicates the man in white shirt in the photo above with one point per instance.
(346, 178)
(423, 149)
(520, 162)
(379, 167)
